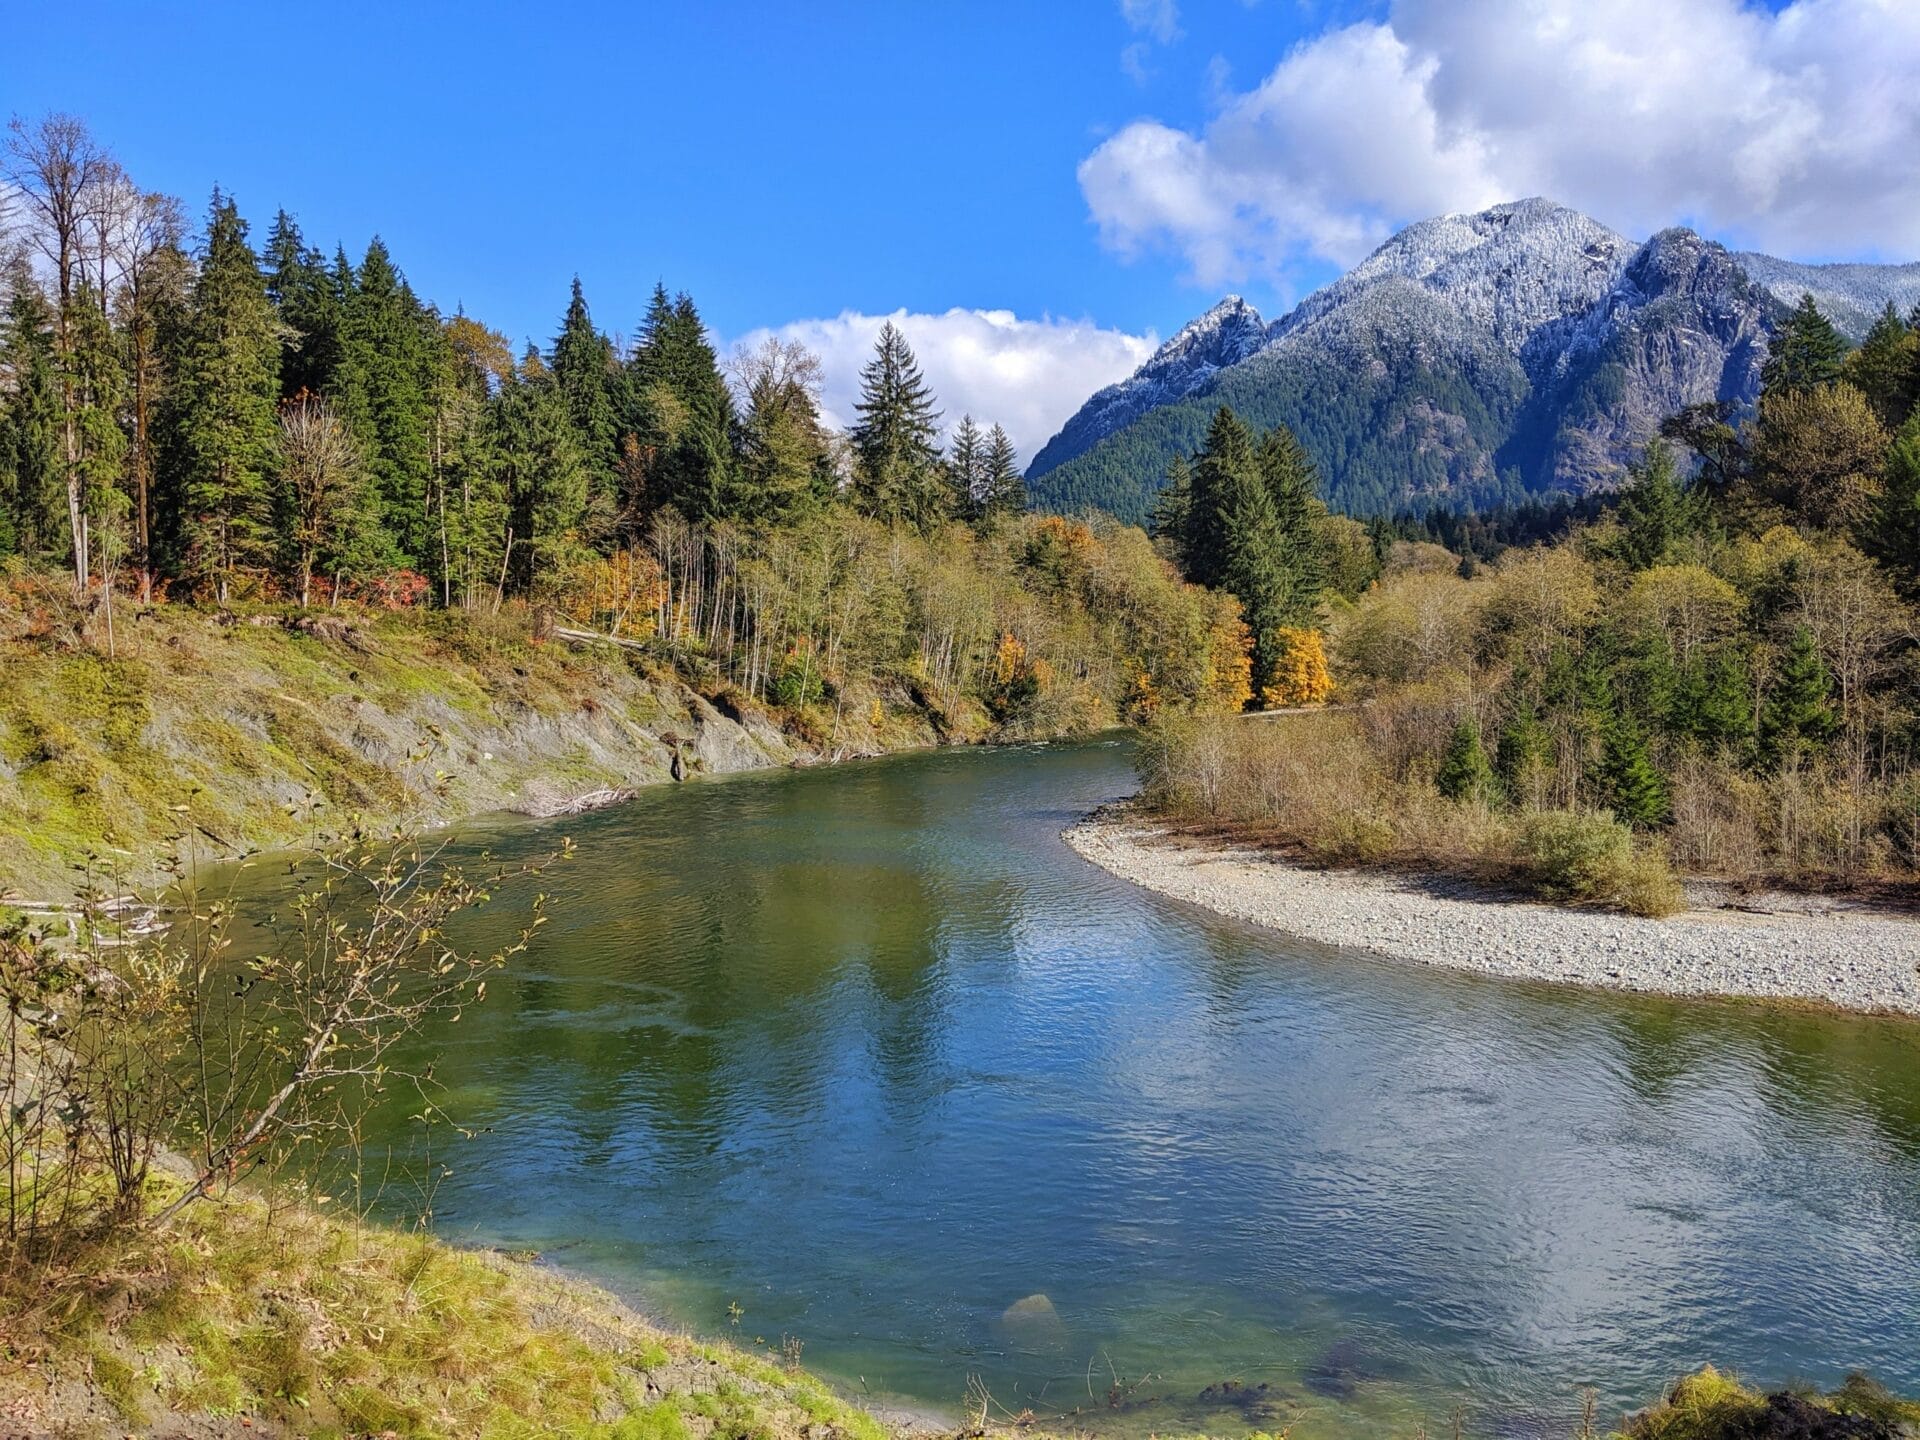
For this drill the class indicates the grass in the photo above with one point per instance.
(308, 1325)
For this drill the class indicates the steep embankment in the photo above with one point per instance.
(235, 734)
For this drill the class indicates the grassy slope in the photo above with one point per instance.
(245, 1321)
(226, 732)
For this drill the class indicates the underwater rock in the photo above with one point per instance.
(1033, 1324)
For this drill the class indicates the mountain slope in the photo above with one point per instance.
(1470, 359)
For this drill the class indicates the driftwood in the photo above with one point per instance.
(594, 637)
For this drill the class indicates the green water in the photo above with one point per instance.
(871, 1055)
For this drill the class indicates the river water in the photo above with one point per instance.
(867, 1058)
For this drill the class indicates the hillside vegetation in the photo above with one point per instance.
(1719, 675)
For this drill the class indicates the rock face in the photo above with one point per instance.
(1471, 359)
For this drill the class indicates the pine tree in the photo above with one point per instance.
(1806, 352)
(32, 490)
(383, 394)
(589, 377)
(1222, 471)
(222, 409)
(965, 459)
(1798, 717)
(1005, 485)
(681, 416)
(1886, 366)
(1464, 772)
(1656, 514)
(307, 299)
(1294, 482)
(1168, 522)
(897, 474)
(1896, 538)
(1634, 788)
(542, 475)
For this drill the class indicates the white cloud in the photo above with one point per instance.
(1027, 375)
(1158, 18)
(1795, 132)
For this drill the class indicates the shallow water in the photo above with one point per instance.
(870, 1054)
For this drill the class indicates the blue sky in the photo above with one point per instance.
(1045, 189)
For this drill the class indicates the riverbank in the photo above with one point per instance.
(244, 1319)
(1791, 948)
(217, 735)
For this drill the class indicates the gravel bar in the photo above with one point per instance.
(1805, 949)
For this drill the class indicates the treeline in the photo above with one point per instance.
(229, 422)
(1724, 661)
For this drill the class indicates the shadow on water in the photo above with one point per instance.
(870, 1055)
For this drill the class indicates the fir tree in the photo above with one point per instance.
(897, 473)
(541, 474)
(1291, 478)
(222, 408)
(1896, 538)
(1221, 473)
(1655, 512)
(1004, 485)
(1886, 367)
(31, 486)
(1168, 522)
(383, 394)
(783, 460)
(682, 413)
(1633, 786)
(307, 299)
(1797, 718)
(1464, 772)
(1806, 352)
(966, 457)
(1523, 757)
(585, 369)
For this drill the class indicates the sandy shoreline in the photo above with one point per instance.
(1825, 952)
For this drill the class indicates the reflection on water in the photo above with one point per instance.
(871, 1054)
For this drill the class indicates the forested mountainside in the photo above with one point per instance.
(1472, 360)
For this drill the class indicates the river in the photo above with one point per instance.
(866, 1057)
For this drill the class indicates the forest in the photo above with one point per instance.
(1714, 671)
(193, 418)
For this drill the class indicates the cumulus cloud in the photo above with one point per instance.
(1027, 375)
(1793, 131)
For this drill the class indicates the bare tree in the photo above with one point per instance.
(321, 466)
(57, 172)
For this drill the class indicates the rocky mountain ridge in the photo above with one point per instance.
(1471, 359)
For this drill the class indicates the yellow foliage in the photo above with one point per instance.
(1008, 659)
(1229, 684)
(1301, 677)
(1142, 699)
(620, 591)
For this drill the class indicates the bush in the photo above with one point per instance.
(1588, 855)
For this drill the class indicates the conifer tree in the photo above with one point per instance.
(783, 461)
(542, 475)
(1634, 788)
(1293, 481)
(1798, 717)
(32, 488)
(1222, 471)
(1005, 485)
(1168, 522)
(1523, 757)
(307, 299)
(1886, 367)
(966, 455)
(897, 474)
(589, 377)
(1655, 512)
(1464, 773)
(683, 413)
(222, 409)
(1805, 354)
(383, 396)
(1896, 536)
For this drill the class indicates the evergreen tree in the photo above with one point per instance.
(783, 461)
(1464, 772)
(1886, 367)
(682, 414)
(542, 476)
(1633, 786)
(897, 474)
(1805, 353)
(586, 370)
(1168, 522)
(1655, 512)
(1797, 718)
(1523, 758)
(1896, 538)
(1221, 473)
(966, 454)
(307, 299)
(32, 490)
(1291, 478)
(383, 394)
(1005, 486)
(222, 409)
(1711, 701)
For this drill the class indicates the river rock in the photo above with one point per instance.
(1033, 1324)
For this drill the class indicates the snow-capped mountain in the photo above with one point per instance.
(1225, 335)
(1470, 359)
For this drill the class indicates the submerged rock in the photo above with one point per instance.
(1033, 1324)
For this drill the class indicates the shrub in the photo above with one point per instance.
(1589, 855)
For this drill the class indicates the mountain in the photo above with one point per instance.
(1471, 359)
